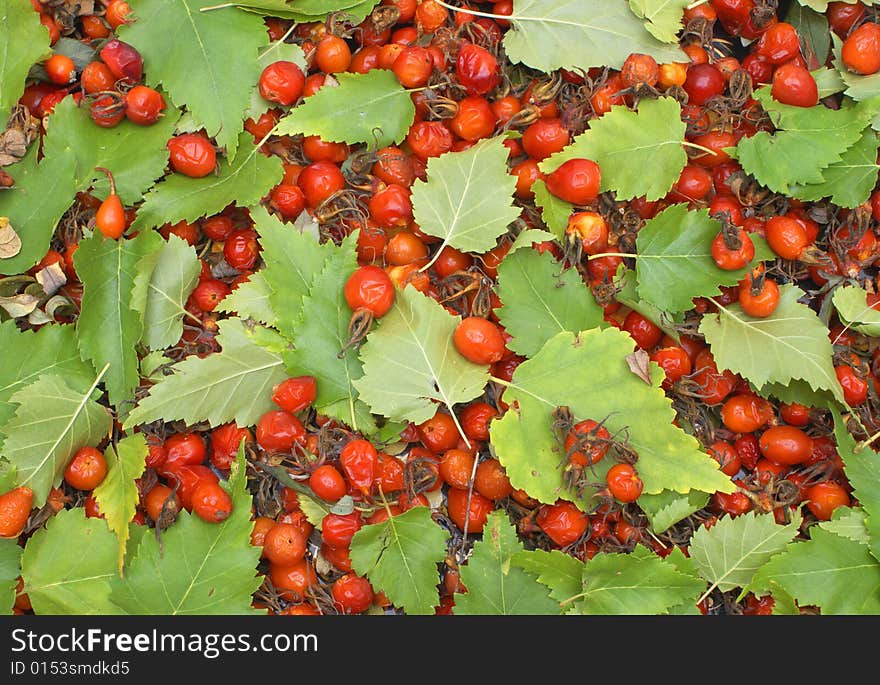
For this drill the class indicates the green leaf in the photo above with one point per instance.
(495, 586)
(413, 345)
(528, 237)
(675, 262)
(30, 354)
(10, 570)
(293, 262)
(555, 212)
(828, 81)
(797, 391)
(561, 34)
(850, 181)
(244, 180)
(806, 142)
(52, 421)
(219, 51)
(862, 467)
(851, 303)
(200, 567)
(812, 27)
(251, 300)
(625, 143)
(541, 299)
(321, 337)
(576, 371)
(370, 108)
(834, 573)
(355, 10)
(25, 41)
(117, 495)
(234, 384)
(848, 523)
(109, 326)
(73, 133)
(635, 584)
(663, 18)
(729, 553)
(67, 566)
(560, 572)
(72, 149)
(667, 508)
(454, 204)
(790, 344)
(400, 557)
(684, 565)
(174, 276)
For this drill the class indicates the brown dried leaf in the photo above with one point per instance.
(19, 305)
(639, 363)
(51, 278)
(10, 243)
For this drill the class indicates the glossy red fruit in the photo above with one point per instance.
(703, 82)
(110, 217)
(477, 69)
(786, 445)
(794, 85)
(288, 200)
(225, 442)
(479, 340)
(209, 293)
(823, 498)
(576, 181)
(295, 394)
(645, 332)
(732, 253)
(369, 288)
(279, 430)
(598, 439)
(352, 594)
(211, 503)
(327, 483)
(60, 69)
(192, 154)
(544, 137)
(339, 529)
(320, 180)
(183, 449)
(123, 60)
(143, 105)
(282, 82)
(15, 508)
(861, 49)
(562, 522)
(241, 249)
(285, 543)
(470, 519)
(359, 460)
(624, 483)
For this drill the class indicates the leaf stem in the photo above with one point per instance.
(278, 42)
(611, 254)
(707, 593)
(696, 4)
(462, 10)
(688, 143)
(217, 7)
(866, 442)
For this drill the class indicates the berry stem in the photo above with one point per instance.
(109, 178)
